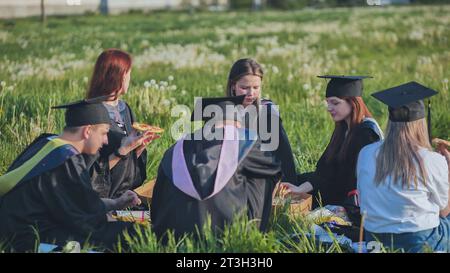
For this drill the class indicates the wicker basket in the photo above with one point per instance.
(299, 204)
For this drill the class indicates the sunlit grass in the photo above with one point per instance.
(179, 56)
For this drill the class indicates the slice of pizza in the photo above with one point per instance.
(147, 128)
(438, 142)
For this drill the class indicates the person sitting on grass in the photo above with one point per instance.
(221, 172)
(246, 78)
(334, 180)
(46, 195)
(403, 184)
(123, 169)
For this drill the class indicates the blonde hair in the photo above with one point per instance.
(399, 154)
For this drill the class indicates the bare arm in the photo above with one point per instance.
(129, 144)
(445, 212)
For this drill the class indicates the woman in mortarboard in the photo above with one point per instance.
(245, 78)
(123, 164)
(403, 184)
(334, 180)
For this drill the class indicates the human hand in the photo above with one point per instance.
(128, 199)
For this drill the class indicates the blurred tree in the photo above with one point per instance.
(43, 11)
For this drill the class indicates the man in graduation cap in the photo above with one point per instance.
(403, 184)
(47, 190)
(219, 177)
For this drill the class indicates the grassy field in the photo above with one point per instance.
(178, 56)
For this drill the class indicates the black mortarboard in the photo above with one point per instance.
(405, 101)
(222, 102)
(344, 86)
(85, 112)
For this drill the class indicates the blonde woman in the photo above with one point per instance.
(403, 185)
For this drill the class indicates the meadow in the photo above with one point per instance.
(178, 56)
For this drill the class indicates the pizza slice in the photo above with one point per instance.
(142, 127)
(438, 142)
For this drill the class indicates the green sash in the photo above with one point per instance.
(9, 180)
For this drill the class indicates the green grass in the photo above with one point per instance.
(45, 66)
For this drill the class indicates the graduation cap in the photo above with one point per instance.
(406, 102)
(222, 102)
(85, 112)
(344, 86)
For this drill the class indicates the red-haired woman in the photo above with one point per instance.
(123, 160)
(334, 180)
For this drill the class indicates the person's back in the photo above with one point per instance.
(222, 176)
(392, 208)
(224, 188)
(403, 185)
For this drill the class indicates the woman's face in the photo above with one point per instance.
(339, 109)
(126, 82)
(249, 85)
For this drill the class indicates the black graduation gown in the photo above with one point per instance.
(59, 204)
(335, 179)
(284, 150)
(249, 190)
(129, 173)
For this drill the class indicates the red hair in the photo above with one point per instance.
(337, 147)
(110, 69)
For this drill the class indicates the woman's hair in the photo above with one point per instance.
(399, 157)
(241, 68)
(339, 143)
(109, 72)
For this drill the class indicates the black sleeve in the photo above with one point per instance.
(142, 160)
(70, 199)
(261, 164)
(284, 150)
(284, 153)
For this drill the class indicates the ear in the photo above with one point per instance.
(86, 131)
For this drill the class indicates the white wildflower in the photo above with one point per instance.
(275, 69)
(165, 102)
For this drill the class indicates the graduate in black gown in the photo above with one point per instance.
(123, 160)
(245, 78)
(46, 193)
(334, 180)
(221, 173)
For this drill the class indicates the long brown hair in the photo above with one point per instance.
(109, 72)
(339, 143)
(241, 68)
(399, 157)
